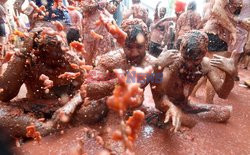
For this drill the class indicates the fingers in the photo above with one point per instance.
(167, 117)
(175, 57)
(174, 121)
(178, 123)
(217, 56)
(216, 62)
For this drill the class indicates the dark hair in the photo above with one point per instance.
(133, 33)
(192, 6)
(73, 35)
(194, 44)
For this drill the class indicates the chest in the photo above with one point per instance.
(175, 87)
(52, 71)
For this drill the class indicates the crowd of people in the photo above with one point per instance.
(67, 53)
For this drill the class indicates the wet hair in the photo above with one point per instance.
(134, 27)
(192, 6)
(194, 44)
(73, 35)
(132, 35)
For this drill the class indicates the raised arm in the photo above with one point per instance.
(166, 58)
(243, 23)
(12, 78)
(156, 15)
(161, 21)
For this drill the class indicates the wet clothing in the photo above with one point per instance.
(216, 44)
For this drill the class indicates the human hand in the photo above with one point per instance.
(224, 64)
(167, 57)
(175, 114)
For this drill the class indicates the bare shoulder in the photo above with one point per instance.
(113, 59)
(205, 64)
(148, 60)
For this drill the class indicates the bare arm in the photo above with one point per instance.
(223, 17)
(101, 79)
(224, 86)
(161, 21)
(156, 15)
(12, 78)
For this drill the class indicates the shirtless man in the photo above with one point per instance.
(179, 79)
(189, 20)
(221, 30)
(158, 32)
(75, 29)
(101, 80)
(137, 11)
(242, 32)
(95, 47)
(40, 65)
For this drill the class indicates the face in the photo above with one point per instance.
(162, 12)
(194, 58)
(51, 49)
(135, 52)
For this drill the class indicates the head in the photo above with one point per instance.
(192, 6)
(73, 35)
(193, 47)
(136, 41)
(162, 12)
(136, 1)
(235, 6)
